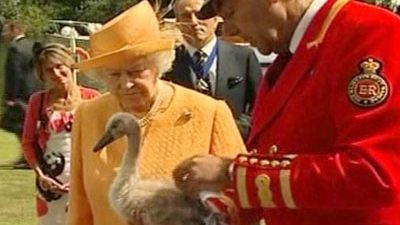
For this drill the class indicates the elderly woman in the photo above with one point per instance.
(130, 54)
(47, 131)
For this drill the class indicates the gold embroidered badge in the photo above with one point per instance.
(264, 192)
(368, 88)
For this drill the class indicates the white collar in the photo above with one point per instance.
(18, 37)
(305, 21)
(206, 49)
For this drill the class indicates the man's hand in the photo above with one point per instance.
(202, 173)
(10, 103)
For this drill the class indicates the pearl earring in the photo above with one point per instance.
(129, 85)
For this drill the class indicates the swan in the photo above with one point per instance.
(161, 201)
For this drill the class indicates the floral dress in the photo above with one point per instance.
(52, 207)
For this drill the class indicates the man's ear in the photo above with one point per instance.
(12, 28)
(215, 19)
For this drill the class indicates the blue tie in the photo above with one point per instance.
(199, 58)
(203, 80)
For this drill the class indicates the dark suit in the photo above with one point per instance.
(237, 76)
(20, 83)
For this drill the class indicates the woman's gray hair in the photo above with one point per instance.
(162, 60)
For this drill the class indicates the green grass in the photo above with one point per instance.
(17, 197)
(9, 148)
(17, 205)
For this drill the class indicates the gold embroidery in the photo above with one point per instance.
(273, 149)
(241, 187)
(336, 7)
(264, 162)
(284, 177)
(243, 159)
(253, 161)
(263, 183)
(368, 88)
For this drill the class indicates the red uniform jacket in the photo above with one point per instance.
(327, 133)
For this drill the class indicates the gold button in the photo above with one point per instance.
(253, 161)
(264, 162)
(285, 163)
(273, 149)
(253, 151)
(242, 159)
(275, 163)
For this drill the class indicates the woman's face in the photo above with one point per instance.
(134, 85)
(57, 73)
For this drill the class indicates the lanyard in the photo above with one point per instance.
(203, 71)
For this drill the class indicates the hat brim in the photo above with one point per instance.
(126, 54)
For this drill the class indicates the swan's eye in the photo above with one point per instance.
(116, 128)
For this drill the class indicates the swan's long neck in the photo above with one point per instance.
(129, 166)
(128, 175)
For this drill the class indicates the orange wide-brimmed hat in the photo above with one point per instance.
(131, 35)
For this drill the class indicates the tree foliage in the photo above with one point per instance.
(101, 11)
(36, 13)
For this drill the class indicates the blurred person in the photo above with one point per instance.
(173, 119)
(212, 66)
(20, 81)
(325, 124)
(47, 130)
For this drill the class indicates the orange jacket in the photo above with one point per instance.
(191, 123)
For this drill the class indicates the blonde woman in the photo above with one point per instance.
(176, 122)
(47, 130)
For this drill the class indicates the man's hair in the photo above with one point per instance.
(15, 25)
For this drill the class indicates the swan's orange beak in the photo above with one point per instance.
(104, 141)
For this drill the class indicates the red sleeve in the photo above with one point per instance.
(361, 172)
(28, 136)
(88, 93)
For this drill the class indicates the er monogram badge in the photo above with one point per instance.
(368, 88)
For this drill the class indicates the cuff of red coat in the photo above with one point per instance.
(263, 181)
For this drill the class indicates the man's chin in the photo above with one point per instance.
(197, 41)
(264, 51)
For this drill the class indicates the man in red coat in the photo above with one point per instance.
(325, 141)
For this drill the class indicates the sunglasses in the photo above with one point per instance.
(207, 11)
